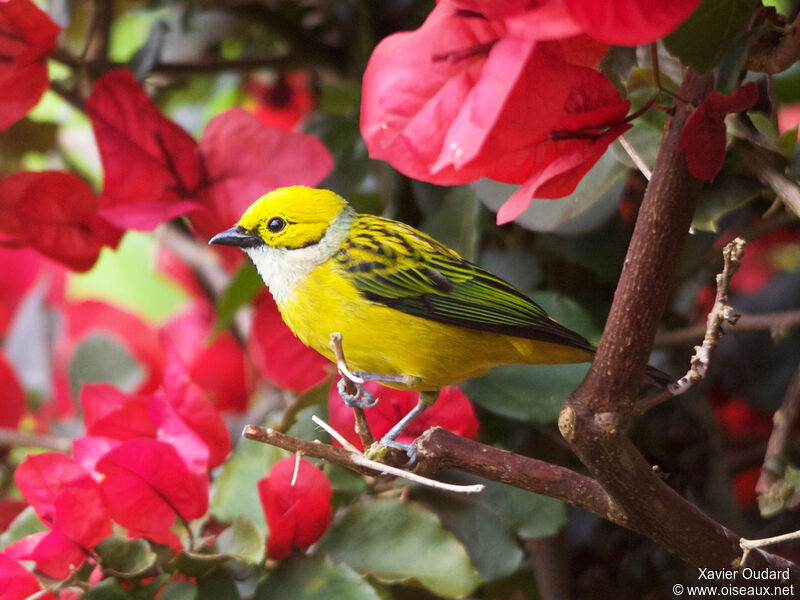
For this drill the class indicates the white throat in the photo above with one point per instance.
(282, 269)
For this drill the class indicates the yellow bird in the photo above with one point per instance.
(412, 313)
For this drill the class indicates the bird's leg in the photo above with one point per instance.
(361, 399)
(426, 399)
(385, 377)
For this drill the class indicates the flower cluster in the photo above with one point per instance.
(505, 91)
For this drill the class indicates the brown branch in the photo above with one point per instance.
(99, 67)
(218, 65)
(776, 50)
(438, 450)
(14, 438)
(778, 322)
(595, 416)
(757, 164)
(775, 461)
(350, 459)
(639, 301)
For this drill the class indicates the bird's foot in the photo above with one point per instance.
(409, 449)
(361, 399)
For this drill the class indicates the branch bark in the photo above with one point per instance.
(596, 415)
(439, 450)
(775, 459)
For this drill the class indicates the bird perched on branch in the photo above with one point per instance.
(412, 313)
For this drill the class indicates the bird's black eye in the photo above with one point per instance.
(276, 224)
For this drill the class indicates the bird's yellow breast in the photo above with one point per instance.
(380, 339)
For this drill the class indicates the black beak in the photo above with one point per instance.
(236, 236)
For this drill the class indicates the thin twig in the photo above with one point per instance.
(348, 459)
(73, 98)
(363, 461)
(635, 157)
(778, 322)
(335, 434)
(362, 427)
(748, 545)
(720, 313)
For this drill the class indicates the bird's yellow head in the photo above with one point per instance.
(288, 233)
(290, 217)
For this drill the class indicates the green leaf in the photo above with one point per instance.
(195, 564)
(25, 523)
(236, 492)
(296, 418)
(782, 495)
(178, 590)
(766, 128)
(703, 38)
(314, 578)
(108, 589)
(488, 523)
(219, 585)
(567, 312)
(490, 543)
(787, 85)
(396, 541)
(518, 267)
(585, 209)
(128, 29)
(345, 483)
(455, 221)
(100, 357)
(242, 540)
(526, 392)
(125, 277)
(129, 557)
(242, 288)
(787, 142)
(645, 137)
(729, 192)
(530, 515)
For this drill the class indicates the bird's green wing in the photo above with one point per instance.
(408, 271)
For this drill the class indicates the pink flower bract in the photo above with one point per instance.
(703, 135)
(27, 37)
(297, 506)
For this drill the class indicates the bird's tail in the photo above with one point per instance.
(657, 377)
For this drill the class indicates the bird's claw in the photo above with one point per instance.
(409, 449)
(361, 399)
